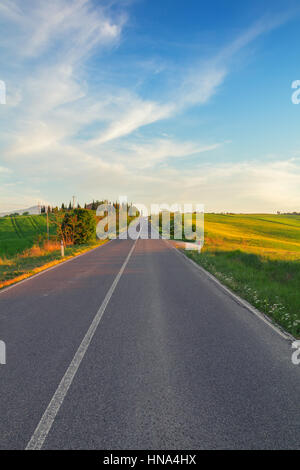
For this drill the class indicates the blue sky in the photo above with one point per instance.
(166, 101)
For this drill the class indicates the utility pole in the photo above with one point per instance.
(48, 223)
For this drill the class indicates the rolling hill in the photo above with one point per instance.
(18, 233)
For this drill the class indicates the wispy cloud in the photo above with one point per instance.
(4, 170)
(75, 25)
(139, 113)
(43, 97)
(249, 185)
(63, 125)
(196, 87)
(148, 155)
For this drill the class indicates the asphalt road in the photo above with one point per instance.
(173, 361)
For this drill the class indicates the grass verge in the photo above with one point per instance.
(272, 286)
(37, 259)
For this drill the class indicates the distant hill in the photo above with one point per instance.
(34, 210)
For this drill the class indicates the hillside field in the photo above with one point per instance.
(270, 236)
(18, 233)
(24, 249)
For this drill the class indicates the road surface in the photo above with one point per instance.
(171, 362)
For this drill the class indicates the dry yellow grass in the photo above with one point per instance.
(41, 250)
(36, 254)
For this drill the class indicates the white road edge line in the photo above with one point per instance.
(287, 336)
(18, 283)
(40, 434)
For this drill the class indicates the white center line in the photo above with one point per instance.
(40, 434)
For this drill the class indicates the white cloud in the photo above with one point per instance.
(252, 186)
(248, 186)
(140, 114)
(196, 87)
(74, 24)
(148, 155)
(200, 85)
(63, 136)
(4, 170)
(49, 102)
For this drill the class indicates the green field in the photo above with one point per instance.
(24, 248)
(257, 256)
(18, 233)
(271, 236)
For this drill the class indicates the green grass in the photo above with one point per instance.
(20, 233)
(258, 257)
(272, 286)
(22, 265)
(23, 246)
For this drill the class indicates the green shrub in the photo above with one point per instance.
(79, 226)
